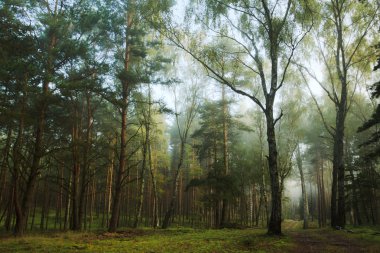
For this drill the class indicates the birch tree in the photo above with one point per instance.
(258, 42)
(343, 39)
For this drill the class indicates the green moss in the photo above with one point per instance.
(172, 240)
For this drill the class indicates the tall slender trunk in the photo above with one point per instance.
(190, 115)
(339, 214)
(338, 210)
(44, 213)
(319, 197)
(156, 217)
(303, 187)
(354, 200)
(357, 218)
(92, 201)
(156, 221)
(16, 177)
(142, 175)
(120, 174)
(323, 195)
(38, 151)
(225, 154)
(19, 196)
(274, 226)
(170, 211)
(123, 135)
(85, 173)
(263, 201)
(10, 207)
(76, 170)
(108, 191)
(67, 204)
(4, 163)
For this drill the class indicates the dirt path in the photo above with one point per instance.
(328, 241)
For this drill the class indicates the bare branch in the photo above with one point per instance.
(286, 14)
(173, 37)
(331, 76)
(278, 118)
(300, 67)
(348, 64)
(244, 12)
(327, 127)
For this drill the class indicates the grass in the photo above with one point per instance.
(148, 240)
(364, 239)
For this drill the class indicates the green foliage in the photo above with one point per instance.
(224, 187)
(374, 140)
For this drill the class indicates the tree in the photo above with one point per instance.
(375, 118)
(16, 49)
(133, 70)
(57, 36)
(305, 207)
(342, 37)
(212, 149)
(183, 119)
(251, 32)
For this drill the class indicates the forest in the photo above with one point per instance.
(160, 116)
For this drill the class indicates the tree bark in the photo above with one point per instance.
(263, 201)
(274, 227)
(85, 173)
(225, 155)
(142, 175)
(108, 191)
(120, 176)
(303, 188)
(170, 211)
(76, 170)
(4, 162)
(339, 168)
(16, 176)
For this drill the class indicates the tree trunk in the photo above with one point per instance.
(38, 151)
(274, 227)
(338, 211)
(74, 221)
(156, 221)
(4, 163)
(303, 187)
(183, 139)
(16, 175)
(20, 211)
(120, 176)
(44, 213)
(86, 164)
(354, 200)
(142, 175)
(339, 219)
(170, 211)
(68, 204)
(225, 154)
(263, 201)
(120, 173)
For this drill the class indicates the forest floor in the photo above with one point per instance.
(184, 240)
(352, 240)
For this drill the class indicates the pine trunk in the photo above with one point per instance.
(170, 211)
(303, 188)
(120, 176)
